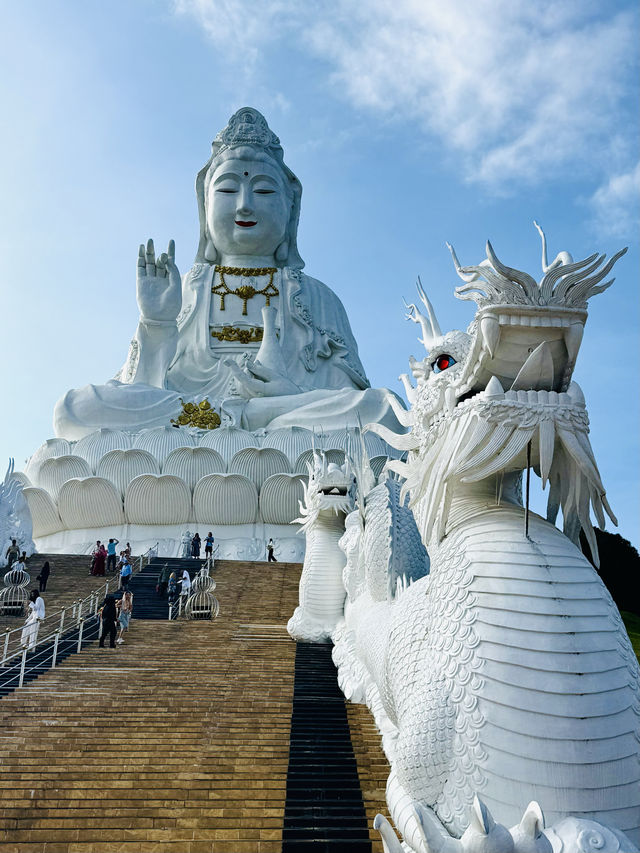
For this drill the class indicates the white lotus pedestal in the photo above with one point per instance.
(149, 487)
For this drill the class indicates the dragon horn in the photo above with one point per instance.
(465, 276)
(433, 320)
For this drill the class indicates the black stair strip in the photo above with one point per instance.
(40, 659)
(147, 604)
(324, 809)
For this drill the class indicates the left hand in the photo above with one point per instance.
(261, 381)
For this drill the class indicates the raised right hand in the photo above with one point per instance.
(158, 284)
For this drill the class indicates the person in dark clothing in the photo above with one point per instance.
(195, 546)
(43, 577)
(270, 547)
(109, 619)
(163, 580)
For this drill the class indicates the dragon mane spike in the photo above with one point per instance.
(467, 277)
(435, 326)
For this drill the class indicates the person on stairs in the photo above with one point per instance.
(43, 577)
(172, 587)
(111, 555)
(208, 546)
(270, 555)
(124, 615)
(163, 580)
(35, 615)
(195, 546)
(125, 574)
(185, 580)
(13, 552)
(109, 615)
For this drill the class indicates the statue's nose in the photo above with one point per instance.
(244, 200)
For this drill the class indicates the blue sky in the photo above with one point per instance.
(409, 123)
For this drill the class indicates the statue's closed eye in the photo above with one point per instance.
(442, 362)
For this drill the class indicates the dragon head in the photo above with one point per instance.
(499, 397)
(329, 490)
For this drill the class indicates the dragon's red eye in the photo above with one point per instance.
(442, 362)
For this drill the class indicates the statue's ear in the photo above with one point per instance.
(210, 252)
(282, 252)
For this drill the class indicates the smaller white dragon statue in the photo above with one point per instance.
(328, 498)
(505, 676)
(15, 517)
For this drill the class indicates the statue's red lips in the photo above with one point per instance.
(245, 224)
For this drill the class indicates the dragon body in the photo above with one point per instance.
(327, 500)
(506, 675)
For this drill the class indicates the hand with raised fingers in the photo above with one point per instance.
(260, 381)
(158, 286)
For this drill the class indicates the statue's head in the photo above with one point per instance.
(248, 199)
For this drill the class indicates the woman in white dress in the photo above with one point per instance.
(35, 615)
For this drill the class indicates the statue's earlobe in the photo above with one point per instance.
(282, 252)
(210, 252)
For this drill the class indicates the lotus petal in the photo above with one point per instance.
(228, 441)
(160, 441)
(95, 445)
(193, 463)
(292, 441)
(157, 500)
(258, 463)
(225, 499)
(123, 466)
(280, 496)
(91, 502)
(58, 469)
(44, 514)
(52, 447)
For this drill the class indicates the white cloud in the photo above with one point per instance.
(515, 91)
(616, 204)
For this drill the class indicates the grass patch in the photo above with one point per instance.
(632, 624)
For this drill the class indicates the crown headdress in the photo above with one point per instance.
(248, 127)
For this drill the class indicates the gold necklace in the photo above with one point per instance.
(245, 291)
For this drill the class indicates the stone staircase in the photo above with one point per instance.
(176, 742)
(68, 581)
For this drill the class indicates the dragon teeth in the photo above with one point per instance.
(490, 328)
(494, 388)
(450, 398)
(572, 340)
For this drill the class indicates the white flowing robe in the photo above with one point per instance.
(29, 636)
(317, 345)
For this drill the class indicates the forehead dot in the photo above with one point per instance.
(246, 174)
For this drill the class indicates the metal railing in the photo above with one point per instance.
(77, 615)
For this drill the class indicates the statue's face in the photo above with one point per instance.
(248, 208)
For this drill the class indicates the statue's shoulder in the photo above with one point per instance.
(310, 285)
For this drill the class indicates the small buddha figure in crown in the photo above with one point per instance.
(267, 345)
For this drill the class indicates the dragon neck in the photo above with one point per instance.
(493, 493)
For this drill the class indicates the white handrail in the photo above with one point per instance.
(90, 603)
(83, 636)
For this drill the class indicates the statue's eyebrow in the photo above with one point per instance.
(264, 178)
(226, 176)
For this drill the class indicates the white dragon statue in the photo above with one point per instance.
(505, 675)
(328, 498)
(15, 517)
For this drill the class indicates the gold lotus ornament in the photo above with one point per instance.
(201, 415)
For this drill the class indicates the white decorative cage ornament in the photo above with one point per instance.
(14, 596)
(202, 604)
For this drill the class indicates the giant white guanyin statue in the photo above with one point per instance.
(268, 346)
